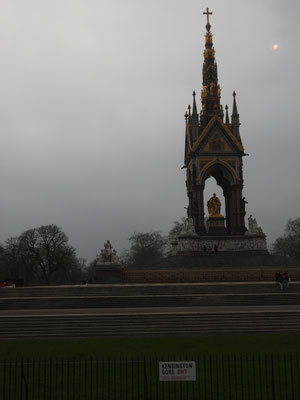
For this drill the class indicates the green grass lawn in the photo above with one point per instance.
(254, 367)
(151, 346)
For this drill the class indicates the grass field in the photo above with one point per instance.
(151, 346)
(228, 367)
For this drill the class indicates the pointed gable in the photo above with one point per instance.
(217, 137)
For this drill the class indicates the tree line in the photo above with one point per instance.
(40, 256)
(44, 256)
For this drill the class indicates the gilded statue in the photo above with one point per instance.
(214, 207)
(219, 91)
(204, 90)
(211, 88)
(208, 37)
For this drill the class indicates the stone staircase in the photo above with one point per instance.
(145, 289)
(148, 310)
(145, 325)
(150, 295)
(191, 300)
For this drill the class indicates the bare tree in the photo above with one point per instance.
(145, 248)
(48, 253)
(289, 244)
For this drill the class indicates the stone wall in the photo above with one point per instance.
(232, 244)
(208, 275)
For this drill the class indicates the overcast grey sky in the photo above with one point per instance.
(92, 98)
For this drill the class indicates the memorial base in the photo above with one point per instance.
(108, 273)
(227, 245)
(216, 226)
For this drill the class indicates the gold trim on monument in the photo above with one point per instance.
(235, 160)
(207, 128)
(217, 161)
(200, 138)
(231, 134)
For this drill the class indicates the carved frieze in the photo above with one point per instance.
(232, 244)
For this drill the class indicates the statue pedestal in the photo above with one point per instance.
(216, 226)
(108, 272)
(226, 244)
(108, 268)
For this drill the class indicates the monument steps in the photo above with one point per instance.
(145, 289)
(164, 324)
(124, 322)
(217, 299)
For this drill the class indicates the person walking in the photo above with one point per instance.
(279, 279)
(285, 280)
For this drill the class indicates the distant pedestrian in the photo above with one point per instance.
(216, 249)
(278, 278)
(285, 280)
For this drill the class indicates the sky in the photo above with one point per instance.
(92, 102)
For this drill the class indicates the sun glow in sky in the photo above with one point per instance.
(275, 46)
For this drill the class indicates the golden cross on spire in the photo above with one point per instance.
(207, 13)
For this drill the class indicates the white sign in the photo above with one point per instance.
(177, 371)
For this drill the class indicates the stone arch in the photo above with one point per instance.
(221, 171)
(227, 179)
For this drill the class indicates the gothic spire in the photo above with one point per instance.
(235, 119)
(227, 116)
(194, 112)
(234, 108)
(211, 91)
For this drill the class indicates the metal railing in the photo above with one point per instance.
(218, 377)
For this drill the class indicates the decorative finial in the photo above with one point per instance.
(194, 112)
(235, 119)
(189, 108)
(207, 13)
(234, 94)
(227, 116)
(235, 114)
(186, 116)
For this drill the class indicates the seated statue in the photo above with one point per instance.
(214, 207)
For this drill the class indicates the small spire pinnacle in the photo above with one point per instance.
(227, 116)
(234, 108)
(235, 119)
(194, 112)
(186, 115)
(189, 108)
